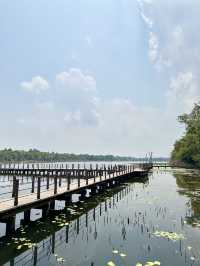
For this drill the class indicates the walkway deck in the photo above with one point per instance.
(18, 202)
(22, 189)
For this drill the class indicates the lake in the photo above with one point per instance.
(152, 222)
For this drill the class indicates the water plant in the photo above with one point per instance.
(149, 263)
(169, 235)
(111, 263)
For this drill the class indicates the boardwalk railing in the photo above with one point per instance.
(68, 234)
(27, 186)
(55, 170)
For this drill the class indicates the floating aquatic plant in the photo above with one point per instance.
(115, 251)
(60, 260)
(149, 263)
(111, 263)
(169, 235)
(122, 255)
(23, 242)
(19, 247)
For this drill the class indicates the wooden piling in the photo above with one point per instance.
(27, 216)
(14, 184)
(16, 191)
(68, 181)
(48, 182)
(35, 256)
(33, 184)
(55, 185)
(10, 225)
(38, 187)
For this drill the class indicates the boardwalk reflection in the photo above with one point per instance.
(80, 220)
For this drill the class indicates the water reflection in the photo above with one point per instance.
(77, 220)
(119, 226)
(189, 185)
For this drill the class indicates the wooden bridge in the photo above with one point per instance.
(39, 187)
(48, 241)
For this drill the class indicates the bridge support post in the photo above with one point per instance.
(68, 199)
(53, 243)
(16, 191)
(48, 182)
(68, 181)
(86, 177)
(93, 191)
(12, 262)
(86, 220)
(67, 234)
(79, 180)
(83, 194)
(38, 187)
(10, 225)
(35, 256)
(55, 185)
(110, 183)
(45, 210)
(27, 216)
(102, 187)
(13, 189)
(52, 205)
(60, 181)
(33, 184)
(77, 225)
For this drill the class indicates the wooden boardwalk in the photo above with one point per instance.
(47, 185)
(57, 235)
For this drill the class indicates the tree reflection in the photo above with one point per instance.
(189, 185)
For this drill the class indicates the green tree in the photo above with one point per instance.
(187, 149)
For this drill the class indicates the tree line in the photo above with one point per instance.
(34, 155)
(186, 151)
(9, 155)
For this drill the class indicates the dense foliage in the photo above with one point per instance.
(9, 155)
(187, 149)
(33, 155)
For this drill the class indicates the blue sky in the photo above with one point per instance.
(96, 76)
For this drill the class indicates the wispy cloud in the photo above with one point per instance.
(37, 85)
(174, 49)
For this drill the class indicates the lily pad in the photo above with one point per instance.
(111, 263)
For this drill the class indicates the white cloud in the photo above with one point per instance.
(79, 98)
(73, 100)
(184, 91)
(72, 117)
(37, 85)
(174, 49)
(178, 36)
(147, 20)
(153, 47)
(77, 80)
(134, 129)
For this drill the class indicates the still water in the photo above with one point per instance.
(156, 220)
